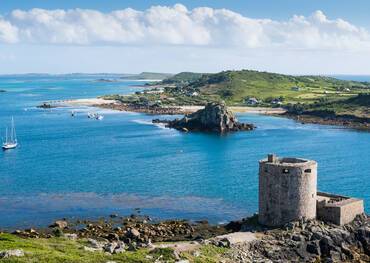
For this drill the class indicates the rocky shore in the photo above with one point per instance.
(133, 230)
(46, 105)
(305, 241)
(241, 241)
(214, 117)
(154, 110)
(322, 119)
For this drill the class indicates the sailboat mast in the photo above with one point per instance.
(14, 139)
(11, 131)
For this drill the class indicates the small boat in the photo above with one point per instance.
(10, 141)
(95, 116)
(73, 113)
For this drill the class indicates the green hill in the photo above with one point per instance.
(240, 88)
(183, 78)
(358, 106)
(236, 86)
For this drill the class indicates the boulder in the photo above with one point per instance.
(133, 232)
(215, 117)
(62, 224)
(313, 247)
(11, 253)
(110, 247)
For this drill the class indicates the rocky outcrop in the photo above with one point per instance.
(214, 117)
(62, 224)
(11, 253)
(46, 106)
(307, 241)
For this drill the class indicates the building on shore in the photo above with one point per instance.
(288, 192)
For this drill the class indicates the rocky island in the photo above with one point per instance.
(215, 117)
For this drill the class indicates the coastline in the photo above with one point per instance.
(348, 121)
(137, 238)
(171, 110)
(329, 120)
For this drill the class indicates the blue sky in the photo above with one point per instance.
(288, 36)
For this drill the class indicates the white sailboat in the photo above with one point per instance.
(10, 141)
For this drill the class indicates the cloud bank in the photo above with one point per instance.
(178, 26)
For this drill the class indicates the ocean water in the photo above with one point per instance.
(78, 167)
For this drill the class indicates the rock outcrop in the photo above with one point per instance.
(214, 117)
(307, 241)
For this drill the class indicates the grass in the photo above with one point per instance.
(58, 250)
(208, 254)
(357, 106)
(55, 250)
(235, 86)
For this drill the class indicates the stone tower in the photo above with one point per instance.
(287, 190)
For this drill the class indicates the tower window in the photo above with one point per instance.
(307, 171)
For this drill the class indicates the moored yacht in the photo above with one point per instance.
(10, 140)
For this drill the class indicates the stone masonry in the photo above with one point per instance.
(288, 192)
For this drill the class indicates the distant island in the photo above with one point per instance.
(147, 76)
(311, 99)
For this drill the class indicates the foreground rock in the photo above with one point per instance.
(46, 105)
(307, 241)
(213, 118)
(11, 253)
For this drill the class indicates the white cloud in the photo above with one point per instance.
(176, 25)
(8, 33)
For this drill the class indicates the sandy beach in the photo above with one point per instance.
(80, 102)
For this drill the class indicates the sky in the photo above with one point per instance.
(285, 36)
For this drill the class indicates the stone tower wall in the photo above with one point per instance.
(287, 190)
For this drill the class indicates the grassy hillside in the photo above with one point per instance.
(358, 106)
(236, 86)
(183, 78)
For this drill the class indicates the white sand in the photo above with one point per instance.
(80, 102)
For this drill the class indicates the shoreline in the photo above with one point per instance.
(171, 110)
(188, 109)
(244, 240)
(326, 120)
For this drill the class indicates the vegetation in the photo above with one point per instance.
(253, 88)
(55, 250)
(235, 87)
(358, 106)
(208, 254)
(183, 78)
(64, 250)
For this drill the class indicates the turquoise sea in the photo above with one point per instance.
(78, 167)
